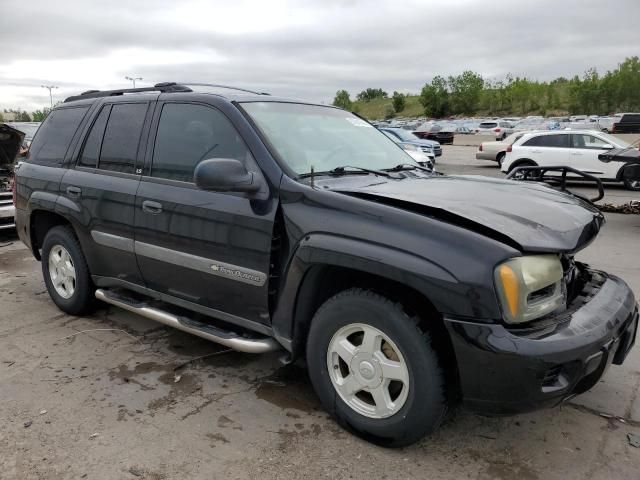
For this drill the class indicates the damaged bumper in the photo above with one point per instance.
(507, 371)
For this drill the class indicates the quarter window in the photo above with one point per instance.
(122, 137)
(188, 134)
(54, 136)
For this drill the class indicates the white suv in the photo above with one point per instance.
(576, 148)
(497, 128)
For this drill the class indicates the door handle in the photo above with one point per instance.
(74, 192)
(536, 151)
(151, 207)
(576, 153)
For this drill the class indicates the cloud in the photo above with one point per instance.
(307, 48)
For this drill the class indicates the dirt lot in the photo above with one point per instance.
(112, 396)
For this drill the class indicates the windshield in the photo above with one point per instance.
(324, 138)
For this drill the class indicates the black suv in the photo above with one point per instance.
(269, 224)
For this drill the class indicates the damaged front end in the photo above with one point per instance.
(10, 144)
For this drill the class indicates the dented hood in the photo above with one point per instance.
(531, 216)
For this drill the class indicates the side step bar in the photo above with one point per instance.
(208, 332)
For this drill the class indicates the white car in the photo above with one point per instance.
(496, 151)
(497, 128)
(575, 148)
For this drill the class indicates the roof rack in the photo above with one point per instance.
(164, 87)
(229, 87)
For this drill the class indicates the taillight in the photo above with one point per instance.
(480, 148)
(496, 130)
(509, 149)
(13, 190)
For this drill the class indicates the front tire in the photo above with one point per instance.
(500, 158)
(374, 370)
(66, 273)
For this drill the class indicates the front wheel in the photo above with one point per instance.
(374, 369)
(500, 158)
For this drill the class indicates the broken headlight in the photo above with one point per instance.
(529, 287)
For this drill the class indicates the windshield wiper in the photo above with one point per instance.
(342, 170)
(407, 166)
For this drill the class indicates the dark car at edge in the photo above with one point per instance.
(269, 224)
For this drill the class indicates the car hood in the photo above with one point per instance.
(10, 141)
(532, 217)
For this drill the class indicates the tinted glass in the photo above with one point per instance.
(588, 141)
(556, 141)
(122, 137)
(91, 150)
(54, 136)
(188, 134)
(631, 118)
(488, 125)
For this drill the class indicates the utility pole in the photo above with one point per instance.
(133, 79)
(50, 87)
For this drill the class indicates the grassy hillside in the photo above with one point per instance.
(376, 109)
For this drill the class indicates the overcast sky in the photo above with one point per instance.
(304, 48)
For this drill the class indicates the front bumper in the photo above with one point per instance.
(7, 214)
(505, 371)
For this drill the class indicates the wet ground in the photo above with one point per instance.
(114, 396)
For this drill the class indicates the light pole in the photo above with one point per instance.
(50, 87)
(133, 79)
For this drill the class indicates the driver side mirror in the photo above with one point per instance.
(607, 146)
(225, 175)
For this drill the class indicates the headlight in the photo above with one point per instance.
(529, 287)
(410, 148)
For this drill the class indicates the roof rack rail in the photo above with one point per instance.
(229, 87)
(163, 87)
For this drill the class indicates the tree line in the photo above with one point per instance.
(24, 116)
(469, 94)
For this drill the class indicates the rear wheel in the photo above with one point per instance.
(521, 175)
(65, 272)
(632, 184)
(374, 369)
(500, 158)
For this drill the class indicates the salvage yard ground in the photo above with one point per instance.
(116, 396)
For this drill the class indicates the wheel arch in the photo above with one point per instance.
(520, 162)
(40, 222)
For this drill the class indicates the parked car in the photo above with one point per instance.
(497, 150)
(11, 141)
(438, 133)
(429, 147)
(269, 224)
(423, 158)
(500, 130)
(579, 149)
(627, 123)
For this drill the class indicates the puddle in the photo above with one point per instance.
(289, 388)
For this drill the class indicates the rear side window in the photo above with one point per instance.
(555, 141)
(54, 136)
(91, 150)
(188, 134)
(631, 118)
(488, 125)
(122, 137)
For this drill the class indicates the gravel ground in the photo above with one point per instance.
(116, 396)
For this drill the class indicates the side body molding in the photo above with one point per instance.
(331, 250)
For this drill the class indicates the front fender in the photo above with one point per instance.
(439, 286)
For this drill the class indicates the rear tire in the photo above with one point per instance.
(66, 273)
(500, 158)
(523, 163)
(388, 389)
(633, 185)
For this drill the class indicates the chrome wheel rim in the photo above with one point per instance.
(62, 272)
(368, 371)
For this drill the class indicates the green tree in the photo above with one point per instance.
(371, 94)
(389, 112)
(399, 102)
(40, 115)
(434, 97)
(1, 117)
(465, 91)
(342, 100)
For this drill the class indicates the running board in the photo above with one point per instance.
(203, 330)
